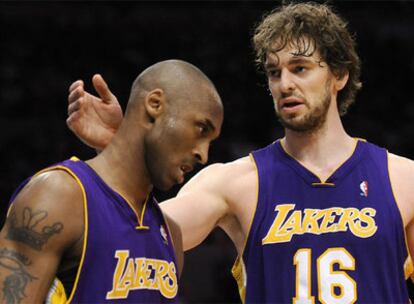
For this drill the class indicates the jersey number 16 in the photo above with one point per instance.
(334, 286)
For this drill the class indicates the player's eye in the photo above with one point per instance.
(273, 73)
(202, 129)
(299, 69)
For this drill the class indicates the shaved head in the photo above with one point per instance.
(173, 114)
(178, 79)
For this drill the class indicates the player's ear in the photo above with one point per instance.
(154, 104)
(341, 80)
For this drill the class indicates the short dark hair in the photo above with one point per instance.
(309, 27)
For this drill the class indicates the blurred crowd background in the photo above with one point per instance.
(45, 46)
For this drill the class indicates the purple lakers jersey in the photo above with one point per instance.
(336, 241)
(126, 258)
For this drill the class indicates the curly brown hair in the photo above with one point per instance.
(310, 27)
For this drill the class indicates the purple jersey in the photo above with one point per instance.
(126, 258)
(336, 241)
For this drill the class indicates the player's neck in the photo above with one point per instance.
(123, 169)
(322, 151)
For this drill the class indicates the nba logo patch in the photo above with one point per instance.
(164, 234)
(363, 186)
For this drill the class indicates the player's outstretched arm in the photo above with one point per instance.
(198, 206)
(93, 119)
(221, 195)
(45, 220)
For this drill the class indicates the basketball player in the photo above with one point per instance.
(95, 224)
(317, 216)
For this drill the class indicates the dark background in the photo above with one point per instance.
(45, 46)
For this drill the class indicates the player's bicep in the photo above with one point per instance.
(37, 231)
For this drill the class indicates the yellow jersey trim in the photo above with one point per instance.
(408, 268)
(85, 232)
(323, 182)
(408, 265)
(239, 273)
(56, 294)
(140, 218)
(238, 269)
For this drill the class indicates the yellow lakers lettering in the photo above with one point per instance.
(142, 273)
(289, 222)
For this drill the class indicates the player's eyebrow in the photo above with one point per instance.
(209, 124)
(270, 65)
(294, 60)
(301, 60)
(210, 127)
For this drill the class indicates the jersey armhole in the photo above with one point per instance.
(408, 264)
(62, 299)
(238, 270)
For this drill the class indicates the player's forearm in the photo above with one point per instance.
(19, 281)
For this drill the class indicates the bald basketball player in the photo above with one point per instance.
(95, 225)
(317, 216)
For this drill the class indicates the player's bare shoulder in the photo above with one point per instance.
(236, 183)
(52, 198)
(400, 163)
(43, 222)
(222, 194)
(240, 182)
(401, 172)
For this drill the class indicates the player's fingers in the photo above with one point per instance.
(102, 88)
(75, 84)
(76, 94)
(74, 106)
(74, 122)
(70, 121)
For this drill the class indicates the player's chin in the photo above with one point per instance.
(166, 183)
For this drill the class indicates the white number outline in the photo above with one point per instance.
(302, 261)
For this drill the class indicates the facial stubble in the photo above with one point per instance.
(311, 121)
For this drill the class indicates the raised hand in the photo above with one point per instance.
(94, 120)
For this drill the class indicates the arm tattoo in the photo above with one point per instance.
(14, 275)
(25, 231)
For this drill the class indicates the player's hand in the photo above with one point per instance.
(93, 119)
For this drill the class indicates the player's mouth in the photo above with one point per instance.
(291, 104)
(186, 168)
(183, 170)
